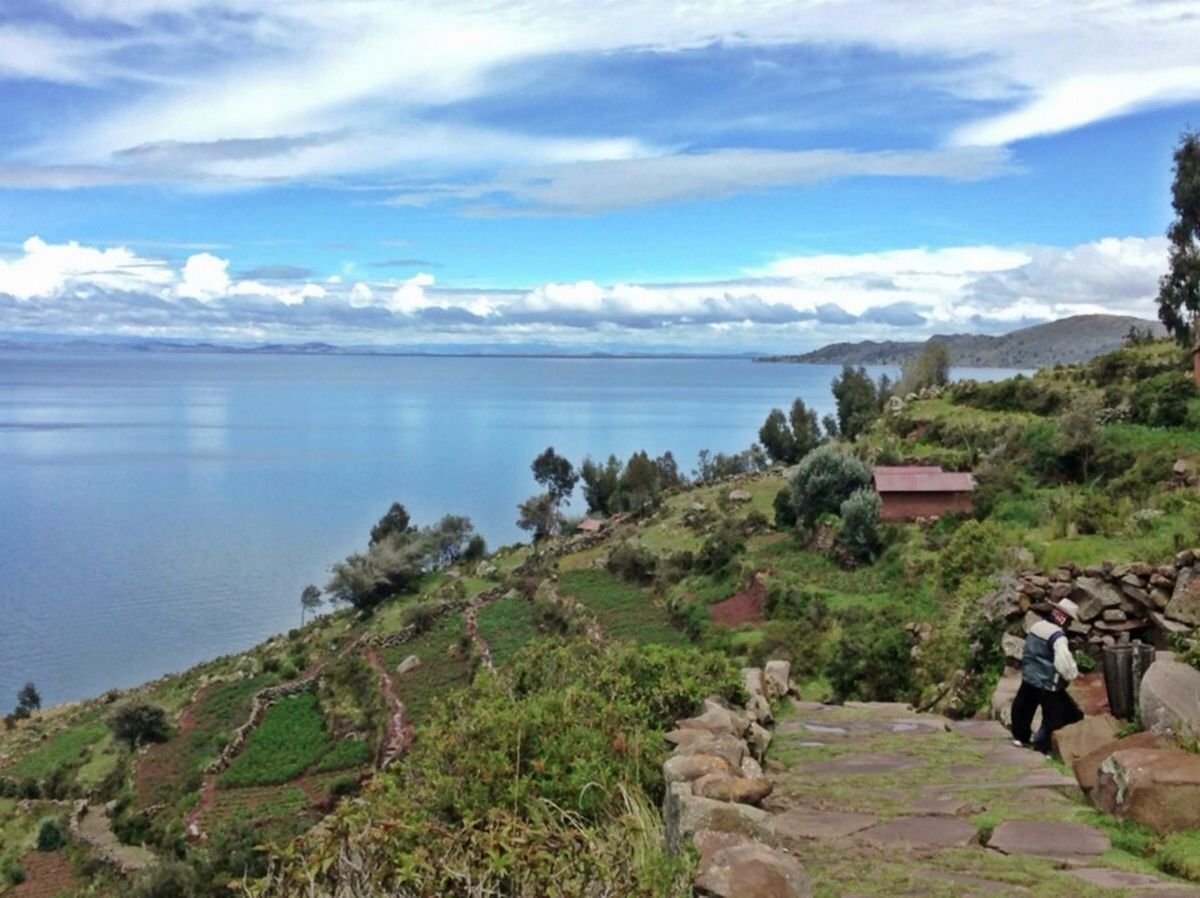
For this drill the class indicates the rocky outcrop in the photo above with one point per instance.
(1087, 768)
(1158, 788)
(733, 866)
(1170, 699)
(1079, 739)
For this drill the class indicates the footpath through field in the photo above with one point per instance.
(876, 800)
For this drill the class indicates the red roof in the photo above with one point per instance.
(921, 479)
(591, 525)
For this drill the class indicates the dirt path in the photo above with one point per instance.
(399, 734)
(471, 621)
(876, 800)
(94, 829)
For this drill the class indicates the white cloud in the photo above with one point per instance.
(795, 302)
(366, 71)
(205, 277)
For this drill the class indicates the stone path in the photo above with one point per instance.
(876, 800)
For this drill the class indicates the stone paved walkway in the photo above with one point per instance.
(875, 800)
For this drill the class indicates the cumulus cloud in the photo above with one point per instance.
(793, 303)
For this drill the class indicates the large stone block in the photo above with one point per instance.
(684, 768)
(1087, 768)
(776, 675)
(1093, 595)
(1074, 741)
(752, 681)
(1170, 698)
(685, 814)
(1158, 788)
(732, 866)
(1185, 600)
(724, 787)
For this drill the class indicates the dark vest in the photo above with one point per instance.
(1037, 661)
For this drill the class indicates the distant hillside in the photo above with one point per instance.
(1075, 339)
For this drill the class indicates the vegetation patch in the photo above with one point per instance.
(290, 739)
(623, 611)
(506, 625)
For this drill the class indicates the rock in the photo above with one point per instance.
(715, 720)
(1185, 558)
(1160, 597)
(1046, 838)
(739, 496)
(1013, 647)
(1158, 788)
(685, 814)
(760, 709)
(1185, 600)
(412, 662)
(1093, 595)
(685, 768)
(1114, 615)
(1170, 626)
(739, 718)
(1074, 741)
(1170, 698)
(724, 787)
(759, 740)
(1087, 768)
(792, 827)
(751, 768)
(1138, 595)
(752, 681)
(728, 747)
(686, 738)
(776, 676)
(733, 867)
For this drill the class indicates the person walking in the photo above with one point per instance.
(1047, 666)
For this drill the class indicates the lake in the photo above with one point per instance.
(160, 509)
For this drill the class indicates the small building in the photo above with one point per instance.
(908, 492)
(590, 525)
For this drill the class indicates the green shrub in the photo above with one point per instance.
(859, 533)
(785, 512)
(50, 835)
(720, 549)
(1162, 400)
(140, 723)
(973, 552)
(169, 879)
(632, 563)
(421, 616)
(786, 602)
(871, 657)
(826, 478)
(14, 873)
(794, 641)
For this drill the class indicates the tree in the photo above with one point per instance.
(1179, 288)
(928, 368)
(857, 401)
(395, 521)
(860, 524)
(556, 474)
(28, 699)
(1079, 431)
(450, 538)
(540, 516)
(639, 484)
(310, 600)
(601, 483)
(140, 723)
(806, 432)
(669, 476)
(826, 478)
(776, 438)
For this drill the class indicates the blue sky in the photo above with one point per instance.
(633, 176)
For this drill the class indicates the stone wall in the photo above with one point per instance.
(1121, 603)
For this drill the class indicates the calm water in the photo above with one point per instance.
(157, 510)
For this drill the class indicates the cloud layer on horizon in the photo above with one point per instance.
(794, 303)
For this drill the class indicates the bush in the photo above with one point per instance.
(794, 641)
(871, 658)
(140, 723)
(1162, 401)
(632, 563)
(170, 879)
(50, 835)
(15, 874)
(786, 602)
(421, 616)
(720, 549)
(860, 525)
(826, 478)
(785, 512)
(974, 551)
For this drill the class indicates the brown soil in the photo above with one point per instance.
(745, 607)
(399, 734)
(161, 763)
(47, 874)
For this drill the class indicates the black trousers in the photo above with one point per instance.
(1058, 710)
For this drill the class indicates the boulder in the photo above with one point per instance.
(739, 496)
(751, 768)
(1170, 698)
(1013, 646)
(685, 814)
(735, 867)
(1087, 768)
(724, 787)
(412, 662)
(1158, 788)
(752, 681)
(1074, 741)
(759, 740)
(776, 676)
(715, 720)
(1185, 599)
(1093, 595)
(685, 768)
(728, 747)
(760, 709)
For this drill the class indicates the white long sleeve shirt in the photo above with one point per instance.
(1064, 661)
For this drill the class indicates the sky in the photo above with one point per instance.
(584, 175)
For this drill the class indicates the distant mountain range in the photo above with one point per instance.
(1074, 339)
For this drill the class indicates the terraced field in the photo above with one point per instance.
(623, 611)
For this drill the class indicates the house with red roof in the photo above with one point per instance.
(908, 492)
